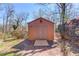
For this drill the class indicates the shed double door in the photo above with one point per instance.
(41, 31)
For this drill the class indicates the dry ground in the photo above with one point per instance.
(29, 50)
(23, 47)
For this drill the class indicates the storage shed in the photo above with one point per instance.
(41, 29)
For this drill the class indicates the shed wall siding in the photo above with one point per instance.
(34, 32)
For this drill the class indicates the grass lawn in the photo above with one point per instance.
(9, 54)
(6, 47)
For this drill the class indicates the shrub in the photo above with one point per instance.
(1, 35)
(18, 33)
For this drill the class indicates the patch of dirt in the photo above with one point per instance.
(41, 52)
(30, 50)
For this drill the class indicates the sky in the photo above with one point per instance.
(27, 8)
(24, 8)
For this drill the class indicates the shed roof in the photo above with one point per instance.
(42, 19)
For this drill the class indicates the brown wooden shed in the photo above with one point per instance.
(41, 29)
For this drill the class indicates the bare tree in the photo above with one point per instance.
(63, 18)
(46, 13)
(9, 16)
(1, 9)
(19, 19)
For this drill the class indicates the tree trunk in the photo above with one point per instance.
(63, 43)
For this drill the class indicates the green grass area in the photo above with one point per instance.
(1, 45)
(11, 42)
(11, 54)
(7, 54)
(7, 46)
